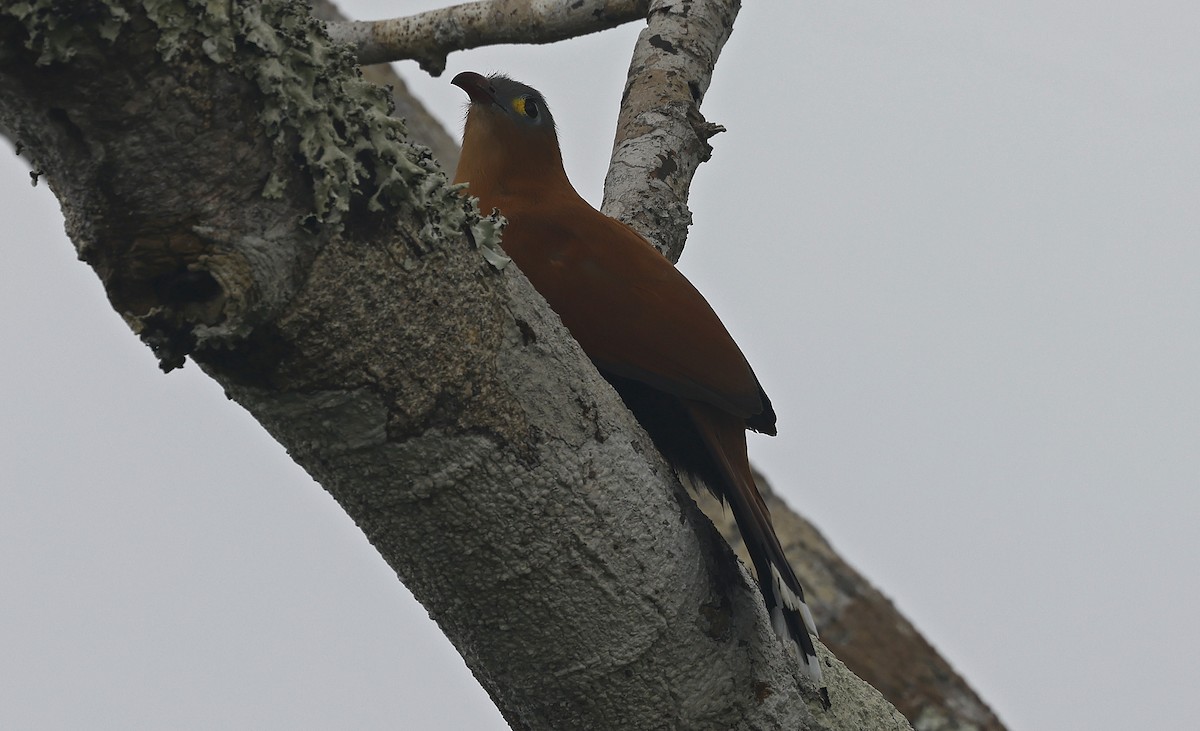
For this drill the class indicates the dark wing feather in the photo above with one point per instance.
(632, 311)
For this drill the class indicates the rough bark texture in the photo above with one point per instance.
(248, 203)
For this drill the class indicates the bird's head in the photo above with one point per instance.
(509, 138)
(510, 105)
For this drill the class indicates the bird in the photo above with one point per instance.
(646, 328)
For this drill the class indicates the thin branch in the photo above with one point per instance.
(661, 136)
(429, 37)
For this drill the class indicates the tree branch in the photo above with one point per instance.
(248, 203)
(661, 136)
(429, 37)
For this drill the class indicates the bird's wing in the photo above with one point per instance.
(632, 311)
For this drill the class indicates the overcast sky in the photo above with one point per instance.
(957, 241)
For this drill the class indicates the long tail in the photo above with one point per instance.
(725, 436)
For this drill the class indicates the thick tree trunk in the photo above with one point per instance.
(248, 203)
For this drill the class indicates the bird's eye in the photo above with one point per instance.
(531, 107)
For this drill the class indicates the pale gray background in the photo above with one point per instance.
(958, 242)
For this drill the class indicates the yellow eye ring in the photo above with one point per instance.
(526, 106)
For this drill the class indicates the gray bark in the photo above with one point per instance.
(662, 138)
(249, 204)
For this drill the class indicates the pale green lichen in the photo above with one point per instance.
(485, 232)
(56, 36)
(179, 20)
(315, 108)
(350, 146)
(313, 102)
